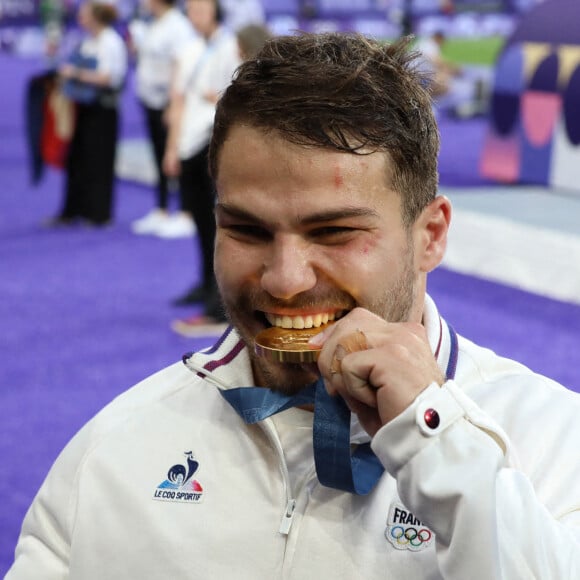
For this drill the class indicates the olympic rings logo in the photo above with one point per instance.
(411, 536)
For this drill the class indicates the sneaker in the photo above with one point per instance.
(59, 221)
(176, 226)
(199, 325)
(150, 223)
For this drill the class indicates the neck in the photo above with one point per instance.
(162, 10)
(96, 30)
(211, 31)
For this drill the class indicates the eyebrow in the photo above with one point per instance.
(318, 217)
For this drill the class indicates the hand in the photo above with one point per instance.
(211, 97)
(171, 163)
(378, 367)
(67, 71)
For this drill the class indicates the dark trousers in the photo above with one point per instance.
(90, 166)
(158, 135)
(198, 198)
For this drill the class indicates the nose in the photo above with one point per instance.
(288, 269)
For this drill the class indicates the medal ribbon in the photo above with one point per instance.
(336, 467)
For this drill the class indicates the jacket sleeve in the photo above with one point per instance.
(491, 518)
(44, 546)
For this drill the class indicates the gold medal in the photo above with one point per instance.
(287, 345)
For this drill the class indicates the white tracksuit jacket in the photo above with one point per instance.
(492, 493)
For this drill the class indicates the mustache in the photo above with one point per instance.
(255, 300)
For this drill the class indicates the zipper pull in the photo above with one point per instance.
(288, 516)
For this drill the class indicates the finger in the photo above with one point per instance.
(368, 417)
(336, 364)
(354, 342)
(354, 381)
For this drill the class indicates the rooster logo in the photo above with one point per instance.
(180, 476)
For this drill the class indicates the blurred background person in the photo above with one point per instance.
(441, 70)
(157, 43)
(52, 16)
(251, 38)
(205, 68)
(93, 78)
(454, 89)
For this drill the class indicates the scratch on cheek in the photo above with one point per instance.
(338, 178)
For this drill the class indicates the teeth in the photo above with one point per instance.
(298, 322)
(309, 321)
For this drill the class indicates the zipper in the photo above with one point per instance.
(286, 522)
(288, 515)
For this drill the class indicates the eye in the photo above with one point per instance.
(332, 234)
(247, 232)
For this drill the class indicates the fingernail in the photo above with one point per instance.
(317, 339)
(329, 388)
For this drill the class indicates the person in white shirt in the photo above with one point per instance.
(387, 446)
(157, 43)
(205, 69)
(442, 71)
(93, 78)
(456, 89)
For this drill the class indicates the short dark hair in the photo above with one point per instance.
(251, 39)
(340, 91)
(104, 13)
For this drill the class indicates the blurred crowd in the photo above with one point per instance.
(184, 55)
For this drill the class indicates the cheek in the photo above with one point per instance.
(372, 264)
(234, 264)
(374, 249)
(354, 269)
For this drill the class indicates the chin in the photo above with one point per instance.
(285, 378)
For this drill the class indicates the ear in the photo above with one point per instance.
(430, 233)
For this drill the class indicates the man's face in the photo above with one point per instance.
(85, 17)
(202, 14)
(303, 234)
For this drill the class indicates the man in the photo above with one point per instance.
(454, 88)
(204, 69)
(442, 70)
(324, 155)
(157, 44)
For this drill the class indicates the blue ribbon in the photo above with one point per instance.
(335, 466)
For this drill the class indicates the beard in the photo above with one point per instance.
(394, 305)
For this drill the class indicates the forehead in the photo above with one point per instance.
(262, 168)
(245, 146)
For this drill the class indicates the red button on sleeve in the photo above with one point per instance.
(432, 418)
